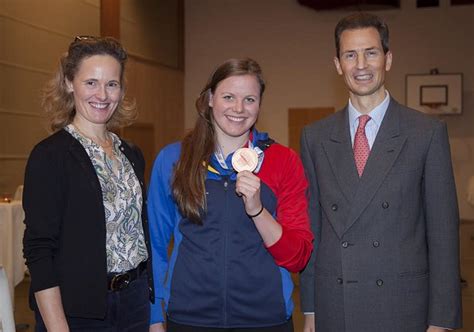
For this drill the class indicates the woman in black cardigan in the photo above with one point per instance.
(86, 242)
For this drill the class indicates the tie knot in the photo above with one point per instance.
(363, 119)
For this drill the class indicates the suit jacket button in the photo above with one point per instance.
(334, 207)
(339, 281)
(379, 282)
(385, 205)
(376, 244)
(345, 244)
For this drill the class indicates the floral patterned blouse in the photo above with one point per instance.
(122, 196)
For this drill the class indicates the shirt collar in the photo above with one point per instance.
(70, 128)
(376, 115)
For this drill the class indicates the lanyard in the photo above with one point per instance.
(220, 157)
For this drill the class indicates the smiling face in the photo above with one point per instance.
(96, 90)
(235, 107)
(363, 64)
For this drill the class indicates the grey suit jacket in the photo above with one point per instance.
(387, 244)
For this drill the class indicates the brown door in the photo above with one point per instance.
(142, 135)
(297, 119)
(300, 117)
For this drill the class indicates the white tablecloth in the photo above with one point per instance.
(11, 242)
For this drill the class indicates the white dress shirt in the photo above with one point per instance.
(373, 125)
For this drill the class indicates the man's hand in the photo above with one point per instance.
(158, 327)
(309, 323)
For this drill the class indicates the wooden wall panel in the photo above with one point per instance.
(159, 92)
(68, 17)
(152, 31)
(170, 118)
(142, 85)
(39, 49)
(110, 18)
(33, 35)
(12, 174)
(18, 134)
(300, 117)
(143, 135)
(22, 93)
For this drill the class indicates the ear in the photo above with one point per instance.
(211, 101)
(69, 86)
(338, 65)
(388, 61)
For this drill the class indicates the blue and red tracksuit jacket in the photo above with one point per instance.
(220, 274)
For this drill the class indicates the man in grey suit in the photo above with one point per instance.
(383, 204)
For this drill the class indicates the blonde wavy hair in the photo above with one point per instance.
(58, 102)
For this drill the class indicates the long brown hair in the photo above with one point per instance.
(199, 144)
(58, 102)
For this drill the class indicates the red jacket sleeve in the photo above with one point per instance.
(283, 172)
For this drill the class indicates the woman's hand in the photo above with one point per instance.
(436, 329)
(157, 327)
(248, 187)
(309, 323)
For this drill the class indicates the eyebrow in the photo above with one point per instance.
(232, 93)
(97, 80)
(363, 49)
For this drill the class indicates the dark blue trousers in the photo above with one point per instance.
(128, 310)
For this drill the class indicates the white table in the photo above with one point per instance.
(11, 242)
(6, 309)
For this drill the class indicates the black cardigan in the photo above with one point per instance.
(64, 242)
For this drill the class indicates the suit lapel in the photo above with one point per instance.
(385, 150)
(341, 157)
(338, 149)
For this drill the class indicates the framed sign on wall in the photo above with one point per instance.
(434, 93)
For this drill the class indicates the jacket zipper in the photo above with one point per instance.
(226, 184)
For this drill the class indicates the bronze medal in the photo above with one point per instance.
(245, 159)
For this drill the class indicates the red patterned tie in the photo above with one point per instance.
(361, 145)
